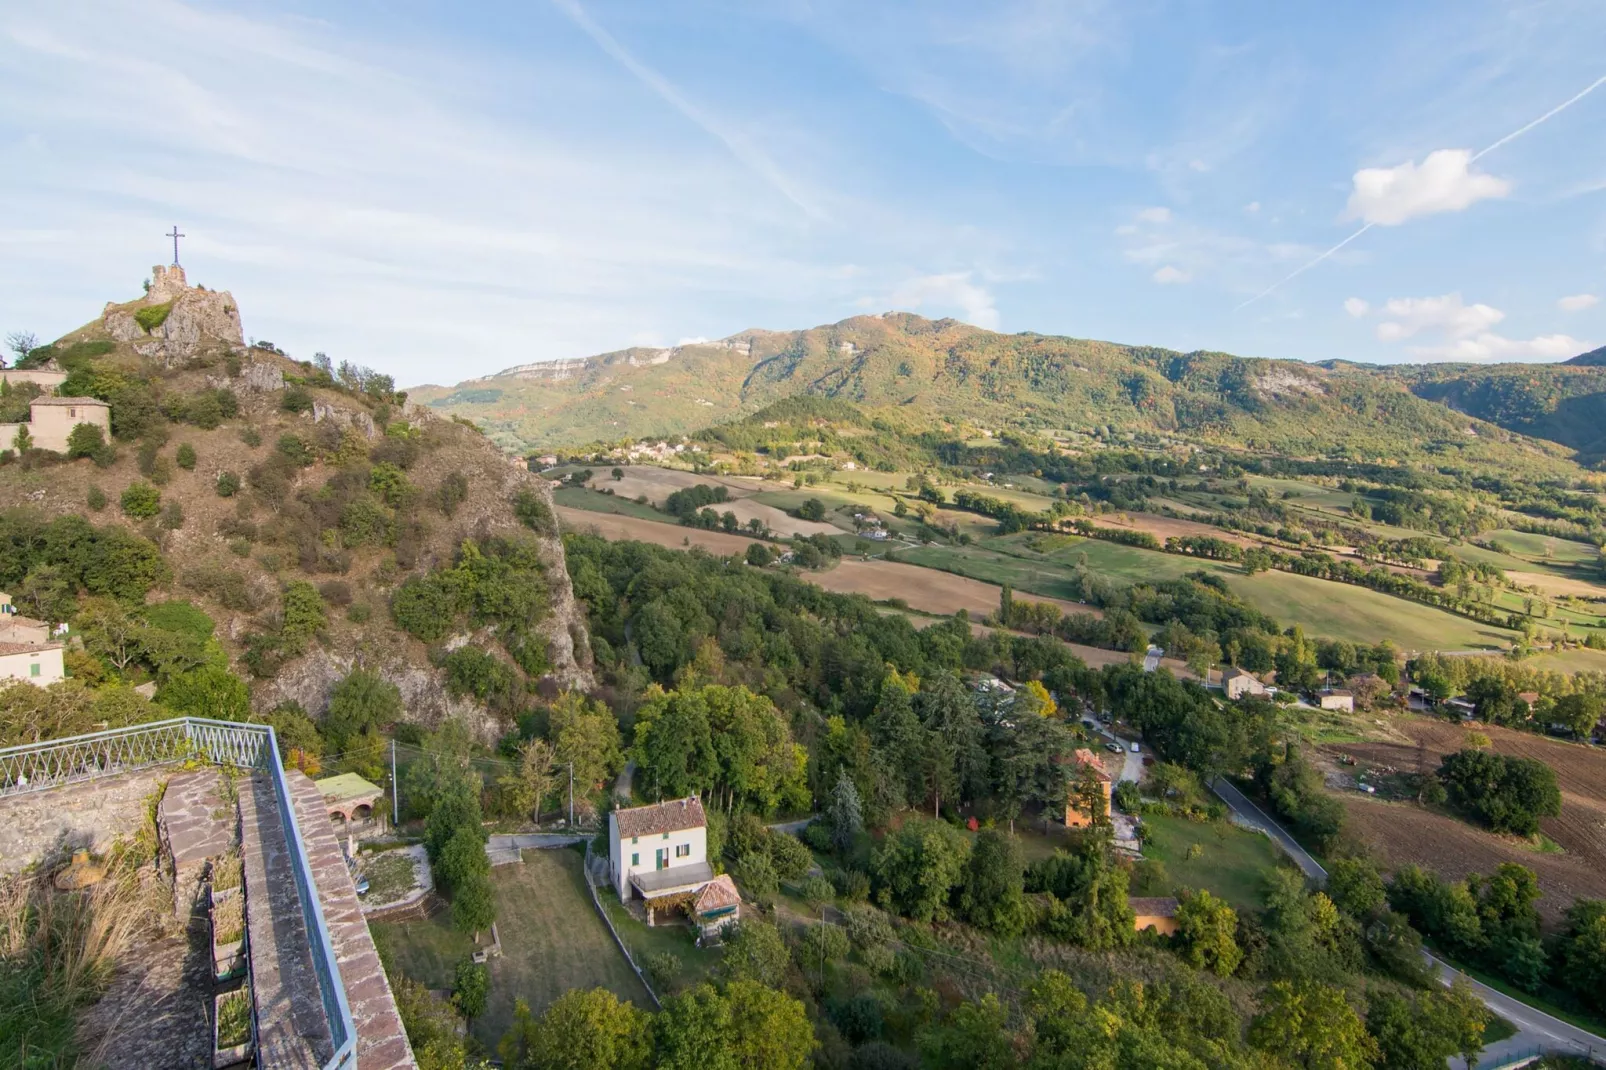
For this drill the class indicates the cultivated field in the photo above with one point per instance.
(657, 484)
(1405, 833)
(552, 941)
(924, 589)
(611, 526)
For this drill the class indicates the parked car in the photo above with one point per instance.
(1113, 748)
(1134, 746)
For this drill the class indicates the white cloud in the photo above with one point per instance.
(1445, 182)
(1577, 302)
(1356, 307)
(954, 290)
(1252, 208)
(1486, 347)
(1155, 215)
(699, 340)
(1168, 275)
(1409, 316)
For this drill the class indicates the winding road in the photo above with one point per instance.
(1535, 1028)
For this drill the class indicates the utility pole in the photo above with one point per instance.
(571, 796)
(395, 794)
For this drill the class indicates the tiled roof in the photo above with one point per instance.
(671, 816)
(27, 648)
(717, 894)
(1156, 907)
(69, 401)
(1088, 758)
(17, 620)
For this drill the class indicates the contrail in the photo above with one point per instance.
(1521, 130)
(755, 160)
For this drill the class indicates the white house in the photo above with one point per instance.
(37, 663)
(659, 852)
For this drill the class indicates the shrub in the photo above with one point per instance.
(452, 492)
(662, 967)
(788, 855)
(210, 408)
(172, 516)
(141, 501)
(228, 484)
(186, 457)
(758, 555)
(296, 399)
(817, 834)
(251, 437)
(817, 890)
(97, 498)
(756, 873)
(823, 940)
(296, 450)
(85, 440)
(335, 592)
(533, 512)
(152, 316)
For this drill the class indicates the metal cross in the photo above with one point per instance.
(176, 235)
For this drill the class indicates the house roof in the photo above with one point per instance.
(671, 816)
(69, 401)
(1337, 692)
(717, 894)
(347, 786)
(17, 620)
(27, 648)
(1235, 672)
(1154, 907)
(1083, 756)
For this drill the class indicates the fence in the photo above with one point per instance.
(76, 759)
(591, 886)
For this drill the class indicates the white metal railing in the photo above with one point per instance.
(53, 763)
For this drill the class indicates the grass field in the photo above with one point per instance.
(696, 963)
(594, 501)
(1232, 863)
(552, 941)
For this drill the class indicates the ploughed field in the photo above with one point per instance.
(1403, 832)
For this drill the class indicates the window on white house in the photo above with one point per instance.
(682, 850)
(635, 860)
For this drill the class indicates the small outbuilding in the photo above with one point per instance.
(718, 905)
(1337, 699)
(1158, 913)
(350, 797)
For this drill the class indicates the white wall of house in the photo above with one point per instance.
(642, 854)
(41, 665)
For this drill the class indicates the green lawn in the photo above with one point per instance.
(679, 940)
(597, 502)
(1322, 607)
(1233, 862)
(552, 941)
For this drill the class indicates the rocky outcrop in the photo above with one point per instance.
(180, 321)
(342, 417)
(257, 377)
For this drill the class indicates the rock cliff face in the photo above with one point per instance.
(180, 321)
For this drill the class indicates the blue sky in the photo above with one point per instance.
(443, 190)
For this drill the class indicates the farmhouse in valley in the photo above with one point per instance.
(1237, 683)
(1075, 815)
(26, 652)
(659, 853)
(1338, 699)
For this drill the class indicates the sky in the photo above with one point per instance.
(443, 190)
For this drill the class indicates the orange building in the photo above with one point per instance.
(1157, 913)
(1085, 759)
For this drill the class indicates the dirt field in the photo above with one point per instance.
(1402, 833)
(659, 483)
(1545, 583)
(924, 589)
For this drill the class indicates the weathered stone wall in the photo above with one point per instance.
(47, 825)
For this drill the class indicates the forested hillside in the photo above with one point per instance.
(922, 374)
(256, 528)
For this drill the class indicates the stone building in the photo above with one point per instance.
(51, 420)
(1085, 759)
(1237, 683)
(46, 378)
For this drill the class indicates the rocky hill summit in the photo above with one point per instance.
(317, 521)
(174, 320)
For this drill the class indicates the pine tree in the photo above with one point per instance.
(844, 814)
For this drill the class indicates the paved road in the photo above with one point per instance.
(503, 849)
(1131, 762)
(794, 827)
(1534, 1027)
(1151, 660)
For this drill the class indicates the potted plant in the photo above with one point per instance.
(228, 917)
(231, 1029)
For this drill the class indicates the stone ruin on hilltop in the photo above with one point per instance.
(174, 320)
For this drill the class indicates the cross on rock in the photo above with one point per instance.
(176, 235)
